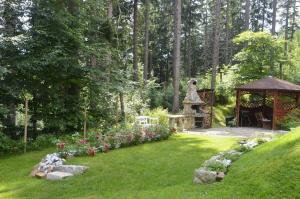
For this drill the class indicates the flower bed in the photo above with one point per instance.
(97, 142)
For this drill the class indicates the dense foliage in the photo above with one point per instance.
(78, 59)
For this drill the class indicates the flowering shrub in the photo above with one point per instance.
(97, 142)
(60, 145)
(91, 151)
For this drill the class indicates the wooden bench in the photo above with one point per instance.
(146, 121)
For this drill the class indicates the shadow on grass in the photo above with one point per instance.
(147, 167)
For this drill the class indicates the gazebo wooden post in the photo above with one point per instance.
(238, 102)
(275, 103)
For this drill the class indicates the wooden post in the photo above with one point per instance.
(275, 102)
(25, 124)
(237, 109)
(212, 101)
(84, 124)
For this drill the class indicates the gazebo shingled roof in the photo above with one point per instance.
(270, 83)
(273, 87)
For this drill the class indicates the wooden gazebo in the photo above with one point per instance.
(277, 98)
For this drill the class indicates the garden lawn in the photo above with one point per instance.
(164, 170)
(155, 170)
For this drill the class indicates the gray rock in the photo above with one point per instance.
(234, 152)
(205, 176)
(34, 170)
(250, 144)
(50, 161)
(73, 169)
(217, 159)
(57, 175)
(220, 176)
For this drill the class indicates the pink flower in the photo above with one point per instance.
(129, 138)
(91, 151)
(61, 145)
(106, 147)
(83, 141)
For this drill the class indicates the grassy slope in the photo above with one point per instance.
(270, 171)
(165, 170)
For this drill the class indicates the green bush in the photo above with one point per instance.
(291, 120)
(231, 156)
(216, 166)
(160, 113)
(42, 141)
(7, 145)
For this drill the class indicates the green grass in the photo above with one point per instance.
(164, 170)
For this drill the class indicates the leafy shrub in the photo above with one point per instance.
(233, 156)
(42, 141)
(160, 113)
(243, 148)
(7, 145)
(216, 166)
(291, 120)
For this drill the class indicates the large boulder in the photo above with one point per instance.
(73, 169)
(34, 170)
(57, 175)
(49, 162)
(204, 176)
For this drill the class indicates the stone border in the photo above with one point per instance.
(215, 168)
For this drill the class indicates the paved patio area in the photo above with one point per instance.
(240, 132)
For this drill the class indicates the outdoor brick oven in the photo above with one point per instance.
(193, 108)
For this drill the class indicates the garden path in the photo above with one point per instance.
(240, 132)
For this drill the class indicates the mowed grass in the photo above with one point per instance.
(156, 170)
(165, 170)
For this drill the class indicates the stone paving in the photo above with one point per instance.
(239, 132)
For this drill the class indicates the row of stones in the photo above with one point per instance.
(216, 167)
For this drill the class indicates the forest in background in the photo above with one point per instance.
(109, 60)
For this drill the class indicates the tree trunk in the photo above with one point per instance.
(227, 32)
(215, 61)
(146, 47)
(264, 17)
(189, 55)
(25, 124)
(247, 15)
(274, 15)
(273, 31)
(286, 33)
(110, 10)
(134, 39)
(176, 55)
(109, 18)
(122, 106)
(294, 15)
(12, 114)
(150, 63)
(206, 41)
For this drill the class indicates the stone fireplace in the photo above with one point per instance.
(193, 107)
